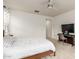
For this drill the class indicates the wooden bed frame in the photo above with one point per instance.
(43, 54)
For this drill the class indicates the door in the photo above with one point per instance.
(48, 28)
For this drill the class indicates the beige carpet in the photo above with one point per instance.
(63, 51)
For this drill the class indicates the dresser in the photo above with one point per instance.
(70, 39)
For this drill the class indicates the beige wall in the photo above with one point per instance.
(33, 25)
(28, 25)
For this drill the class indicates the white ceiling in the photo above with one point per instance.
(60, 6)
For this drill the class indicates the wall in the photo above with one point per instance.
(65, 18)
(28, 25)
(24, 24)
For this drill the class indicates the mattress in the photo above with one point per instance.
(24, 47)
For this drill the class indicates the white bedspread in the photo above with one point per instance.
(26, 47)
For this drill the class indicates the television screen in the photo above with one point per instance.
(68, 27)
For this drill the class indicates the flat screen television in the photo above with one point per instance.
(67, 27)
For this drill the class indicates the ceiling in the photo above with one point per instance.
(60, 6)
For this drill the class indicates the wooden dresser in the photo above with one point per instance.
(70, 39)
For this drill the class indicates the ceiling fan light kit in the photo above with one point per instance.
(50, 3)
(50, 6)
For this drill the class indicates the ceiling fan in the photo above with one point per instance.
(51, 4)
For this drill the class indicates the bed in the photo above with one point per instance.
(27, 48)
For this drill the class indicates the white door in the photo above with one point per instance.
(48, 28)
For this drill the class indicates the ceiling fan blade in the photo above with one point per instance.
(55, 8)
(50, 2)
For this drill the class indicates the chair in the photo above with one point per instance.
(62, 38)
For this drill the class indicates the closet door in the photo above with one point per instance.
(48, 28)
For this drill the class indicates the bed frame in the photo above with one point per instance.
(43, 54)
